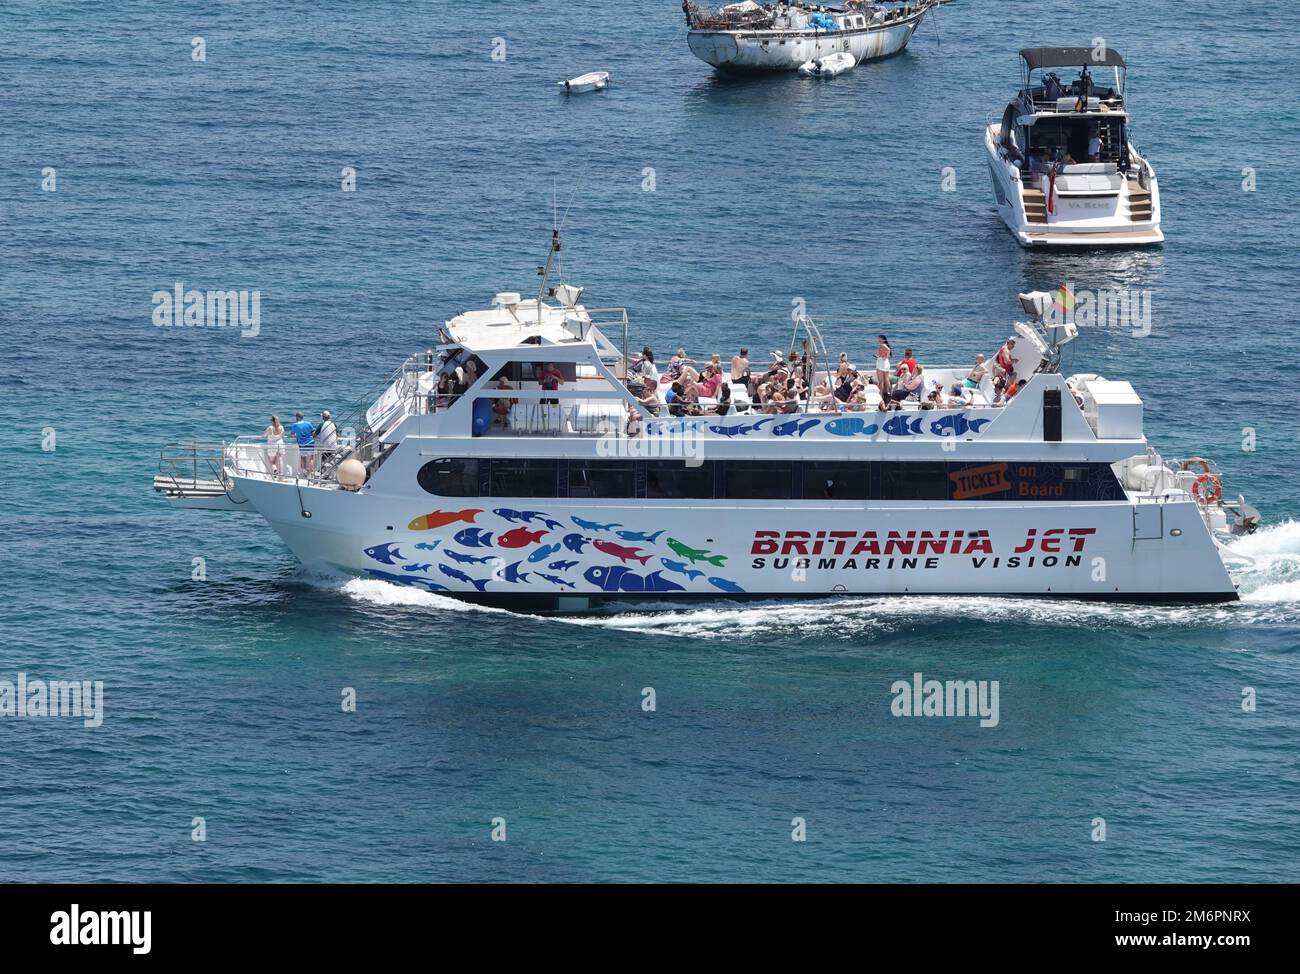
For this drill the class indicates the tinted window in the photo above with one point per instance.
(450, 477)
(602, 478)
(920, 480)
(673, 478)
(524, 478)
(837, 481)
(758, 480)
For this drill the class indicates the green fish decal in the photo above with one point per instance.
(696, 554)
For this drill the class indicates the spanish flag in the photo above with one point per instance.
(1064, 299)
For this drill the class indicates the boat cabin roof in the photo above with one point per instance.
(1070, 57)
(513, 323)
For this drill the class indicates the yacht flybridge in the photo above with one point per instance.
(749, 36)
(512, 463)
(1065, 169)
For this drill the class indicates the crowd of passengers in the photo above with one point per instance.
(792, 384)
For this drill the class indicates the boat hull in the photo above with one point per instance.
(571, 554)
(784, 50)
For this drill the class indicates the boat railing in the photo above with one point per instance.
(192, 466)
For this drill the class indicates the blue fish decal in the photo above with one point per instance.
(460, 576)
(593, 526)
(468, 559)
(556, 580)
(620, 578)
(574, 542)
(427, 583)
(561, 566)
(902, 425)
(387, 553)
(542, 553)
(851, 426)
(681, 568)
(607, 577)
(417, 568)
(638, 535)
(474, 538)
(725, 584)
(655, 582)
(512, 574)
(956, 424)
(428, 545)
(741, 429)
(795, 427)
(527, 517)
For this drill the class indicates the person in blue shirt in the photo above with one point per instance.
(304, 433)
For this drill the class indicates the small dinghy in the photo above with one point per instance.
(828, 66)
(591, 81)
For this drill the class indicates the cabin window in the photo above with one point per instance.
(837, 481)
(917, 480)
(450, 477)
(602, 478)
(671, 479)
(525, 478)
(758, 480)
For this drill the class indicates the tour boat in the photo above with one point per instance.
(828, 66)
(591, 81)
(749, 36)
(1066, 172)
(537, 479)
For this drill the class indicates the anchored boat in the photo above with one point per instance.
(750, 36)
(591, 81)
(513, 463)
(1066, 172)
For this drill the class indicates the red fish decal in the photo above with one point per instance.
(519, 537)
(436, 519)
(620, 551)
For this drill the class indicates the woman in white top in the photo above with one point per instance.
(274, 445)
(882, 367)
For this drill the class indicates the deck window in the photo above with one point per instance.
(602, 478)
(525, 478)
(671, 479)
(837, 481)
(450, 477)
(758, 480)
(914, 480)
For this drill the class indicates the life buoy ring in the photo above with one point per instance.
(1197, 462)
(1212, 494)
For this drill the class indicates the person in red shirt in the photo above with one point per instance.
(1006, 362)
(550, 379)
(908, 364)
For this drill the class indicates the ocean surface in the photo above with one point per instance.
(222, 696)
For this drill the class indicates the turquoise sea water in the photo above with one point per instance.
(222, 696)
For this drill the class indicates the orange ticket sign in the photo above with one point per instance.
(980, 481)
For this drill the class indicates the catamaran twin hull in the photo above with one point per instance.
(779, 50)
(561, 553)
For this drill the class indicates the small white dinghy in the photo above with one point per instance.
(828, 66)
(591, 81)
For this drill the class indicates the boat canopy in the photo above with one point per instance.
(1070, 57)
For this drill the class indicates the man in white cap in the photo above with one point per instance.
(327, 436)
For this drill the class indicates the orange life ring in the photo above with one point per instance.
(1210, 496)
(1197, 462)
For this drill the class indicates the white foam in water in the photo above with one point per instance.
(1270, 570)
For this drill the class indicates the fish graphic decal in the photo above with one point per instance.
(527, 517)
(739, 430)
(851, 426)
(511, 573)
(574, 542)
(460, 576)
(725, 584)
(542, 553)
(681, 568)
(620, 578)
(468, 559)
(696, 554)
(561, 566)
(387, 553)
(427, 583)
(638, 536)
(621, 552)
(795, 427)
(956, 424)
(556, 580)
(902, 425)
(438, 519)
(417, 568)
(519, 538)
(428, 545)
(592, 525)
(473, 538)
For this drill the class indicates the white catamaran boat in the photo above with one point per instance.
(749, 36)
(1065, 170)
(537, 480)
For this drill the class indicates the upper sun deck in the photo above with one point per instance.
(1098, 88)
